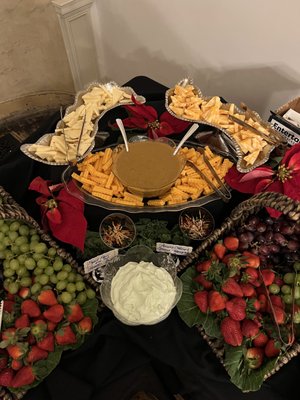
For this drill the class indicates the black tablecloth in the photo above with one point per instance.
(117, 361)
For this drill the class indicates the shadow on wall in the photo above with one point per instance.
(262, 87)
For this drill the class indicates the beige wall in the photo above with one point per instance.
(32, 53)
(242, 50)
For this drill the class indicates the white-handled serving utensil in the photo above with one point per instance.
(189, 133)
(123, 132)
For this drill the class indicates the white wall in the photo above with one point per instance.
(241, 50)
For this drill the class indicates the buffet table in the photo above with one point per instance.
(117, 361)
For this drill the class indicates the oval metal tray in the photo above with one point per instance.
(45, 139)
(241, 165)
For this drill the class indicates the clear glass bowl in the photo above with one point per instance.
(137, 254)
(117, 231)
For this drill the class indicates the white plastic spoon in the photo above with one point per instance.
(123, 132)
(189, 133)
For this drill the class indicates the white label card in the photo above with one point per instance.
(99, 261)
(173, 249)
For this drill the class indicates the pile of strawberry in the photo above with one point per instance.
(32, 331)
(232, 285)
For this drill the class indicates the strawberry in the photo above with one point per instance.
(251, 260)
(22, 321)
(54, 313)
(18, 350)
(203, 266)
(65, 336)
(268, 276)
(219, 250)
(31, 339)
(24, 292)
(9, 334)
(75, 313)
(85, 325)
(16, 364)
(51, 326)
(254, 357)
(47, 297)
(231, 331)
(203, 281)
(47, 342)
(272, 348)
(230, 286)
(216, 301)
(201, 299)
(25, 376)
(36, 354)
(3, 359)
(255, 304)
(30, 308)
(231, 243)
(236, 308)
(8, 306)
(247, 289)
(262, 298)
(6, 377)
(261, 339)
(278, 314)
(250, 275)
(38, 328)
(276, 301)
(249, 328)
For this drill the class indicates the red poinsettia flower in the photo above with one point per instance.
(146, 118)
(61, 213)
(285, 178)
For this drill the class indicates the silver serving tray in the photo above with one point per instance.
(74, 188)
(45, 139)
(241, 164)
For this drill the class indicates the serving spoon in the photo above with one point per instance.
(189, 133)
(123, 132)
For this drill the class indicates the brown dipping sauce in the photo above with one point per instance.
(148, 165)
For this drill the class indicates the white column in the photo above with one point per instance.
(77, 22)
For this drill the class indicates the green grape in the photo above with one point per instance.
(71, 287)
(14, 264)
(14, 226)
(4, 228)
(90, 293)
(66, 297)
(2, 246)
(35, 239)
(38, 271)
(288, 298)
(62, 275)
(24, 248)
(289, 277)
(53, 279)
(21, 240)
(24, 230)
(42, 262)
(274, 288)
(8, 273)
(7, 282)
(79, 278)
(49, 271)
(80, 286)
(74, 295)
(61, 285)
(6, 263)
(2, 255)
(52, 252)
(8, 254)
(36, 288)
(58, 264)
(72, 277)
(37, 256)
(30, 263)
(21, 258)
(286, 289)
(26, 281)
(67, 268)
(297, 280)
(13, 288)
(32, 232)
(43, 279)
(41, 248)
(297, 292)
(21, 271)
(81, 298)
(15, 249)
(6, 241)
(2, 236)
(13, 235)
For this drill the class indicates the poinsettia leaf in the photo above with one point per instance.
(244, 378)
(233, 179)
(165, 129)
(260, 172)
(40, 185)
(176, 124)
(66, 197)
(147, 112)
(135, 122)
(289, 154)
(294, 162)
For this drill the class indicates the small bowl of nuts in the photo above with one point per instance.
(117, 231)
(196, 223)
